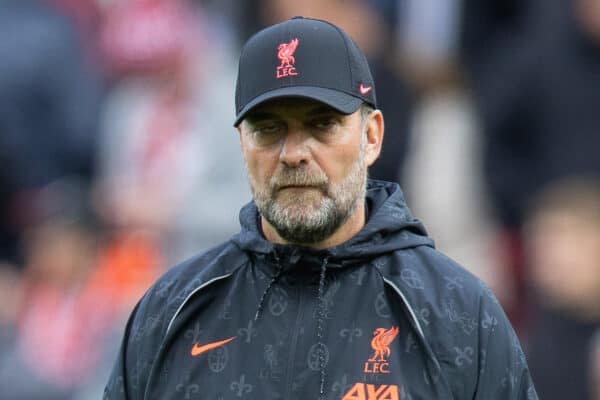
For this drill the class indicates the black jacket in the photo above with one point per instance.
(382, 316)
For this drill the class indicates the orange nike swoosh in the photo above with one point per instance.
(197, 349)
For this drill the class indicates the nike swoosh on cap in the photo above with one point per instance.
(197, 349)
(364, 89)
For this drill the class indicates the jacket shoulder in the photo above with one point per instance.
(428, 277)
(172, 288)
(150, 320)
(148, 324)
(460, 318)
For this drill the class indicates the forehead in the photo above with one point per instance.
(292, 108)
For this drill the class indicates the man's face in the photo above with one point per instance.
(307, 166)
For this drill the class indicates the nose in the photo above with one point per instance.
(295, 150)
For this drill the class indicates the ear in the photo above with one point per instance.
(240, 135)
(375, 127)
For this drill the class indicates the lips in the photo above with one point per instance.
(300, 187)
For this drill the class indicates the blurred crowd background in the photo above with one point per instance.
(118, 159)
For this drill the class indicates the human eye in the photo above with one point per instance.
(266, 132)
(325, 123)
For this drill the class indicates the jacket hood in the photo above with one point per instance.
(390, 226)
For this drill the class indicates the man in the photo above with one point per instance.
(331, 290)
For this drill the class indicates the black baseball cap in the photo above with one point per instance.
(307, 58)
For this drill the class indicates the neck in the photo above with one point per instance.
(350, 228)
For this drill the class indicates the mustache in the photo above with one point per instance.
(298, 177)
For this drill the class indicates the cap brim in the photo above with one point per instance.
(342, 102)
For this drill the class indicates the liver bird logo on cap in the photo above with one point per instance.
(285, 53)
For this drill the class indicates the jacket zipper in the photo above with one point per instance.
(293, 343)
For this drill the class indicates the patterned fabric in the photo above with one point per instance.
(400, 321)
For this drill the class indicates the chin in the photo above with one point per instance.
(302, 204)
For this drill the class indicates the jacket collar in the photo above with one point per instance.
(390, 226)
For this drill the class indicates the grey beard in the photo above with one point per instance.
(306, 226)
(305, 229)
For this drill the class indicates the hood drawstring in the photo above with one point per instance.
(274, 279)
(320, 319)
(320, 322)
